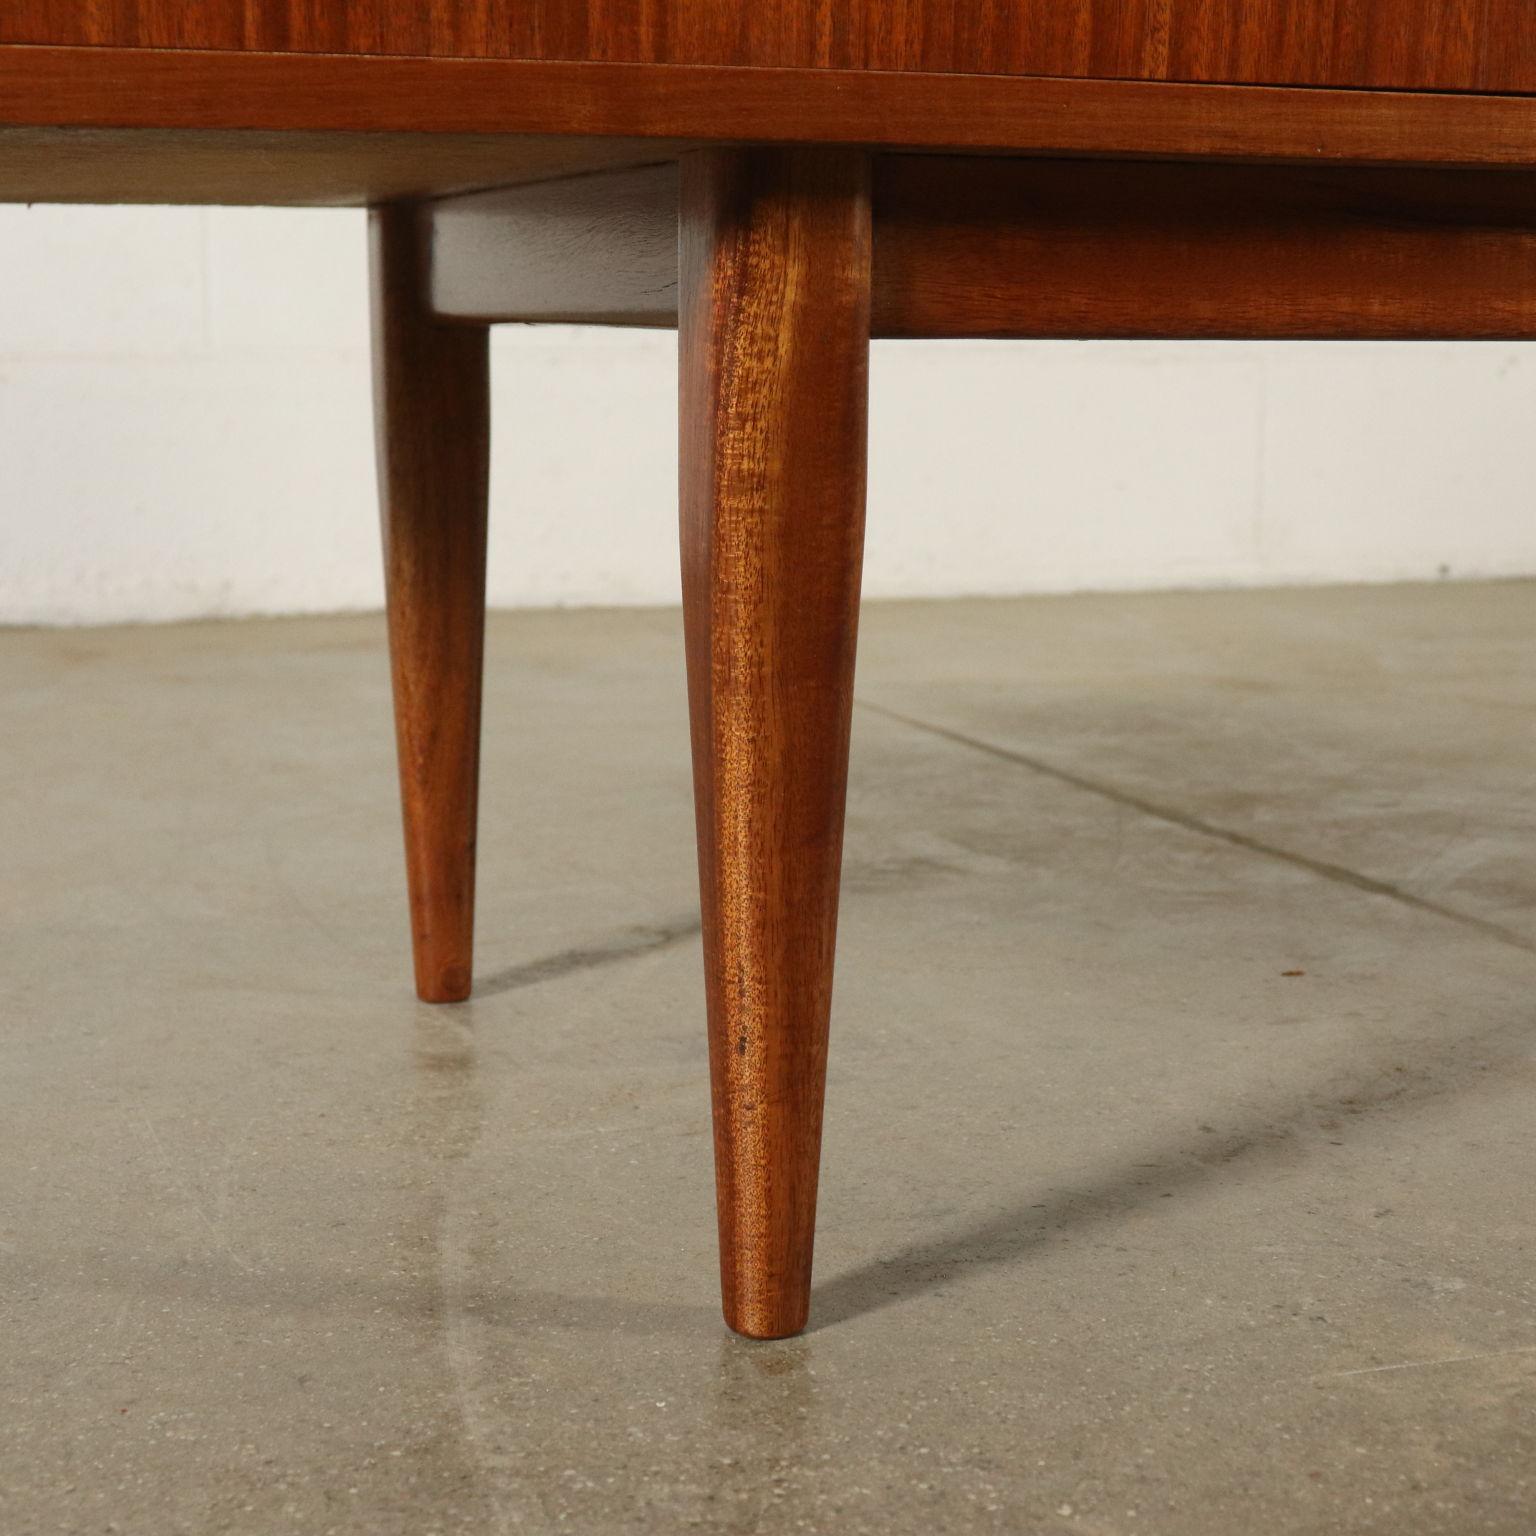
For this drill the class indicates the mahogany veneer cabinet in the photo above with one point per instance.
(781, 180)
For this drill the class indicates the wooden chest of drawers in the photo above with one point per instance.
(781, 181)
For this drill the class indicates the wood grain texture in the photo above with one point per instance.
(1483, 45)
(211, 92)
(1052, 248)
(774, 388)
(432, 412)
(985, 246)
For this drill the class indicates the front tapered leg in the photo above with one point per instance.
(432, 414)
(774, 317)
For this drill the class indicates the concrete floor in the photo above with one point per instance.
(1180, 1147)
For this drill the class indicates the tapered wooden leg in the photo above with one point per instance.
(431, 404)
(774, 320)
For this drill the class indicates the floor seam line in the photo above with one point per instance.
(1338, 874)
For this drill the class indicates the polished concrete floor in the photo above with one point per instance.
(1181, 1148)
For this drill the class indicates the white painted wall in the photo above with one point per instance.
(184, 430)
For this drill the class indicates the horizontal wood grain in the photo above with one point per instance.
(1009, 248)
(101, 88)
(985, 246)
(1402, 44)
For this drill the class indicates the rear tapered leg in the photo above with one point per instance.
(774, 319)
(431, 405)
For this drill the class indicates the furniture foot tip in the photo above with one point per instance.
(452, 985)
(764, 1323)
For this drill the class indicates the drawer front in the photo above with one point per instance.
(1485, 45)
